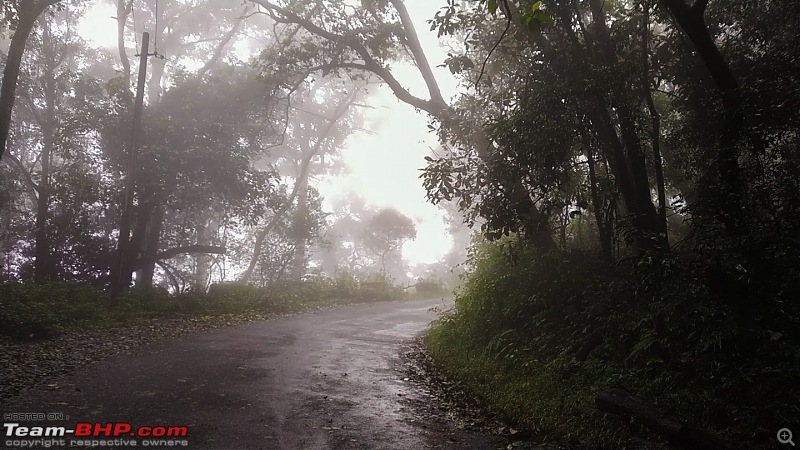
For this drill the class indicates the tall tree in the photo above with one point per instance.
(27, 12)
(316, 128)
(385, 234)
(370, 37)
(58, 112)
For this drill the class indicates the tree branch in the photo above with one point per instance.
(122, 19)
(169, 271)
(419, 55)
(222, 44)
(195, 248)
(434, 107)
(34, 188)
(185, 249)
(262, 234)
(37, 116)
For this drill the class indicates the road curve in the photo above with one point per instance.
(327, 380)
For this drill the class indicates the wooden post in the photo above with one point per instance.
(124, 261)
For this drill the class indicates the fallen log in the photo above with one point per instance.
(674, 430)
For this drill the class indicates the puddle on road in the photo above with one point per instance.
(403, 330)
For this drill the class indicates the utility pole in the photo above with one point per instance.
(124, 259)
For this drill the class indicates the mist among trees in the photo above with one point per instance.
(620, 180)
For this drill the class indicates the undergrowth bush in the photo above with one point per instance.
(430, 288)
(538, 337)
(43, 310)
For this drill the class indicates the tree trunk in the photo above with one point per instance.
(127, 252)
(261, 235)
(692, 22)
(656, 124)
(597, 207)
(43, 268)
(201, 260)
(639, 204)
(29, 11)
(623, 151)
(139, 238)
(44, 264)
(145, 273)
(300, 247)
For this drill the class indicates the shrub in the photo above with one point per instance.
(345, 286)
(429, 288)
(140, 301)
(538, 336)
(379, 290)
(40, 310)
(233, 297)
(31, 310)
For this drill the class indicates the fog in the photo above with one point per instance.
(373, 156)
(383, 157)
(401, 223)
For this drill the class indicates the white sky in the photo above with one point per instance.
(383, 165)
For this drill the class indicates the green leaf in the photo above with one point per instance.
(492, 7)
(536, 6)
(544, 18)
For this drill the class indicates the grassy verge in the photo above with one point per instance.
(45, 310)
(528, 392)
(537, 338)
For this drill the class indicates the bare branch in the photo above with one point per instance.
(185, 249)
(222, 44)
(435, 107)
(169, 271)
(262, 234)
(26, 175)
(419, 55)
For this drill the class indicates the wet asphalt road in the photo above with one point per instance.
(327, 380)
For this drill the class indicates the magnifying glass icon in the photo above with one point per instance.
(785, 436)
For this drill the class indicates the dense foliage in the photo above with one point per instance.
(565, 326)
(32, 311)
(632, 165)
(644, 169)
(222, 177)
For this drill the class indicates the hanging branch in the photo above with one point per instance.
(169, 271)
(496, 44)
(186, 249)
(434, 106)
